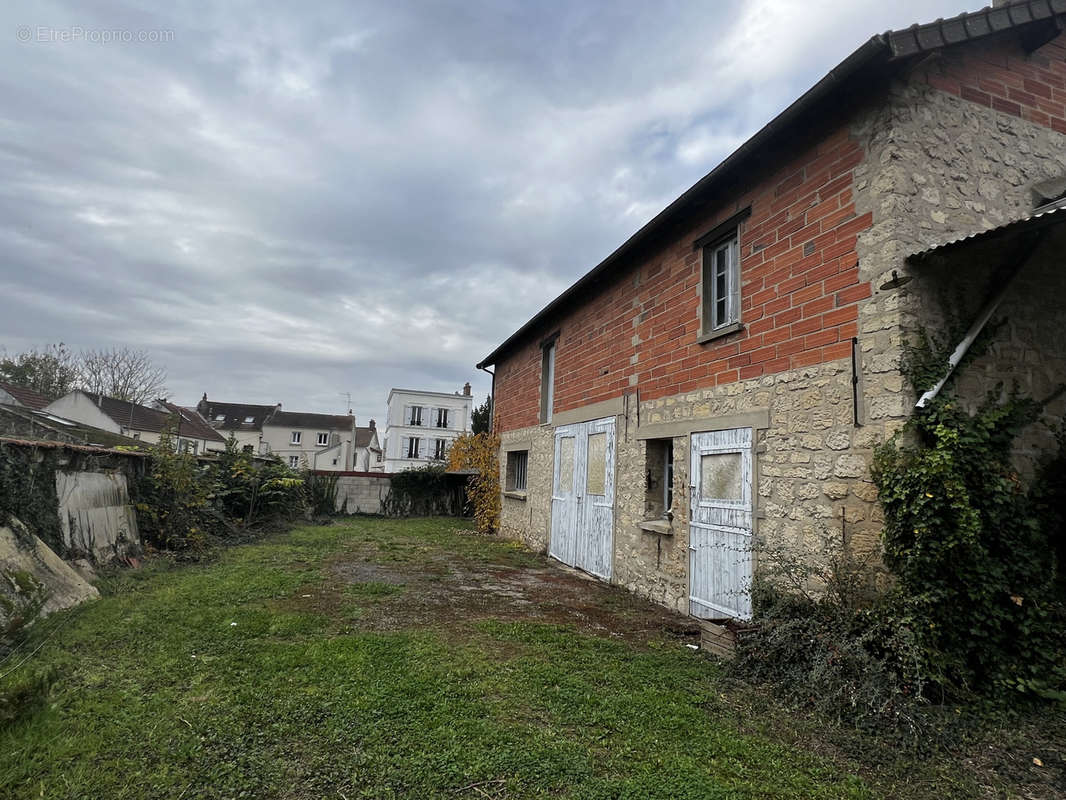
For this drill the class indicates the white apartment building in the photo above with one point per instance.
(420, 426)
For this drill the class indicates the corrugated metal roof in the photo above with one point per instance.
(1052, 214)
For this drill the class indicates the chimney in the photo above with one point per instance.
(373, 425)
(466, 389)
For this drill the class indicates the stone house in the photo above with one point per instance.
(420, 426)
(722, 378)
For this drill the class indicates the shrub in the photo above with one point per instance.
(28, 491)
(172, 499)
(826, 640)
(426, 491)
(480, 451)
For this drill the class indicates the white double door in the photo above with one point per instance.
(582, 533)
(720, 524)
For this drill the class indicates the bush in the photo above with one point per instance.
(422, 492)
(826, 640)
(480, 451)
(181, 503)
(28, 491)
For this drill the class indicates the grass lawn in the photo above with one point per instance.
(384, 659)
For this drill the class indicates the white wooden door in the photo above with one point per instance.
(595, 540)
(720, 527)
(582, 533)
(565, 507)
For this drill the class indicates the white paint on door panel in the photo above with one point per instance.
(582, 532)
(720, 528)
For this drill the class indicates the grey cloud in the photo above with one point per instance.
(290, 201)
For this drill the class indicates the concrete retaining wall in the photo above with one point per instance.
(362, 492)
(95, 514)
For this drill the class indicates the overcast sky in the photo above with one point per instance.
(286, 201)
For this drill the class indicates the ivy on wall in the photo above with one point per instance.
(977, 553)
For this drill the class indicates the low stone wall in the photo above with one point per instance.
(362, 492)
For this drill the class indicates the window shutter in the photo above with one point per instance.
(406, 416)
(403, 446)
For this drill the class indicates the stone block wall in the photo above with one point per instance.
(362, 492)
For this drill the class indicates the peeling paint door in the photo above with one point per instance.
(565, 502)
(583, 496)
(720, 527)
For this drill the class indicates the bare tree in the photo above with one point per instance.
(123, 373)
(52, 371)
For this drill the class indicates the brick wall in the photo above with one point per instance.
(800, 290)
(1000, 75)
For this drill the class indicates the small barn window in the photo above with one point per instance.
(659, 481)
(517, 464)
(721, 285)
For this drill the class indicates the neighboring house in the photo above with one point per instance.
(190, 431)
(242, 421)
(368, 456)
(13, 395)
(28, 424)
(421, 426)
(312, 441)
(726, 373)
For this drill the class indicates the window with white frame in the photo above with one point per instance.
(440, 449)
(517, 463)
(323, 439)
(412, 447)
(297, 436)
(220, 417)
(414, 415)
(249, 420)
(294, 461)
(721, 284)
(442, 418)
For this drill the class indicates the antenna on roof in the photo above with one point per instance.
(348, 396)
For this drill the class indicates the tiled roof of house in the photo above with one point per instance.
(1036, 20)
(234, 415)
(24, 396)
(299, 419)
(132, 416)
(192, 425)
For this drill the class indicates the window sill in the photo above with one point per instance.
(720, 332)
(663, 527)
(515, 494)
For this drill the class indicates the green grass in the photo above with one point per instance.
(250, 677)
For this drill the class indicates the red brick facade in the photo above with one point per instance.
(800, 290)
(799, 271)
(1002, 76)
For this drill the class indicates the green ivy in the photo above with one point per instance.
(28, 491)
(976, 552)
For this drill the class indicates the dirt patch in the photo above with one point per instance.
(442, 589)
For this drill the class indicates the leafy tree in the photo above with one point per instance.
(123, 373)
(481, 416)
(52, 371)
(481, 452)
